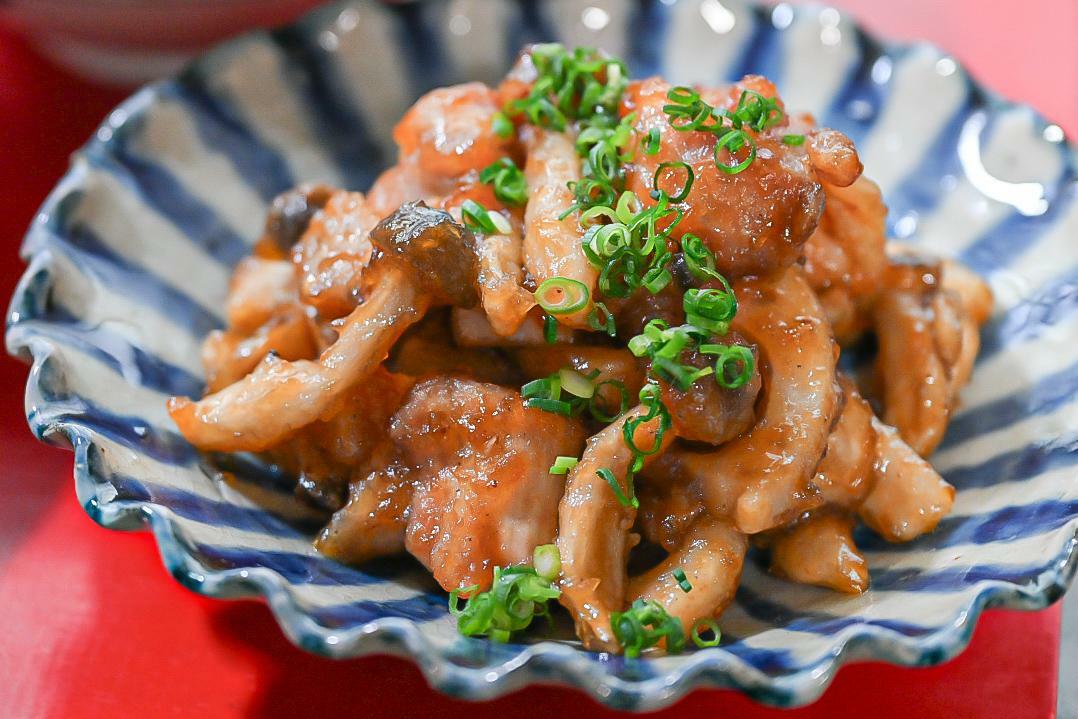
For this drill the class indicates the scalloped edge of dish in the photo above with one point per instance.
(543, 662)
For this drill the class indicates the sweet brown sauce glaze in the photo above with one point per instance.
(392, 351)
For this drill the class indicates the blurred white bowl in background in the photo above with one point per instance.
(132, 41)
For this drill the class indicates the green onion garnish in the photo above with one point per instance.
(516, 596)
(508, 181)
(650, 397)
(732, 142)
(689, 177)
(793, 140)
(547, 561)
(480, 220)
(710, 309)
(707, 624)
(602, 319)
(687, 111)
(502, 125)
(575, 383)
(698, 258)
(562, 296)
(623, 500)
(563, 464)
(550, 329)
(682, 580)
(734, 365)
(597, 412)
(644, 625)
(651, 143)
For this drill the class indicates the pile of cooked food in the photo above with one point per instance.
(586, 318)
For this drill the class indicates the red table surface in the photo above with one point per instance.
(92, 626)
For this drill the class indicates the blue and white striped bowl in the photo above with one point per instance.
(130, 255)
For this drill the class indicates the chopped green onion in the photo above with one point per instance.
(698, 258)
(562, 296)
(502, 125)
(644, 625)
(602, 319)
(652, 141)
(555, 406)
(793, 140)
(626, 501)
(706, 624)
(507, 180)
(547, 561)
(563, 464)
(732, 142)
(516, 596)
(623, 401)
(480, 220)
(575, 383)
(550, 329)
(689, 177)
(710, 309)
(735, 364)
(650, 397)
(682, 580)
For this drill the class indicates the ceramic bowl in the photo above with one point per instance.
(130, 256)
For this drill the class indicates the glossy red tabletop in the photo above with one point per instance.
(92, 626)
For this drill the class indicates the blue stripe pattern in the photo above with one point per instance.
(1021, 492)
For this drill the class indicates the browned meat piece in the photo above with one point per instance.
(707, 412)
(712, 556)
(593, 532)
(373, 522)
(909, 497)
(484, 495)
(333, 252)
(755, 221)
(820, 550)
(844, 475)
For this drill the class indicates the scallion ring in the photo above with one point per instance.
(562, 296)
(689, 177)
(734, 365)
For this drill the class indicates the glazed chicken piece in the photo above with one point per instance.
(844, 476)
(706, 412)
(425, 260)
(594, 535)
(819, 549)
(228, 356)
(762, 478)
(754, 221)
(329, 453)
(909, 497)
(845, 258)
(484, 494)
(551, 245)
(428, 349)
(449, 131)
(372, 524)
(928, 341)
(712, 556)
(264, 316)
(333, 252)
(472, 328)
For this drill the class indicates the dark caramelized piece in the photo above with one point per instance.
(289, 216)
